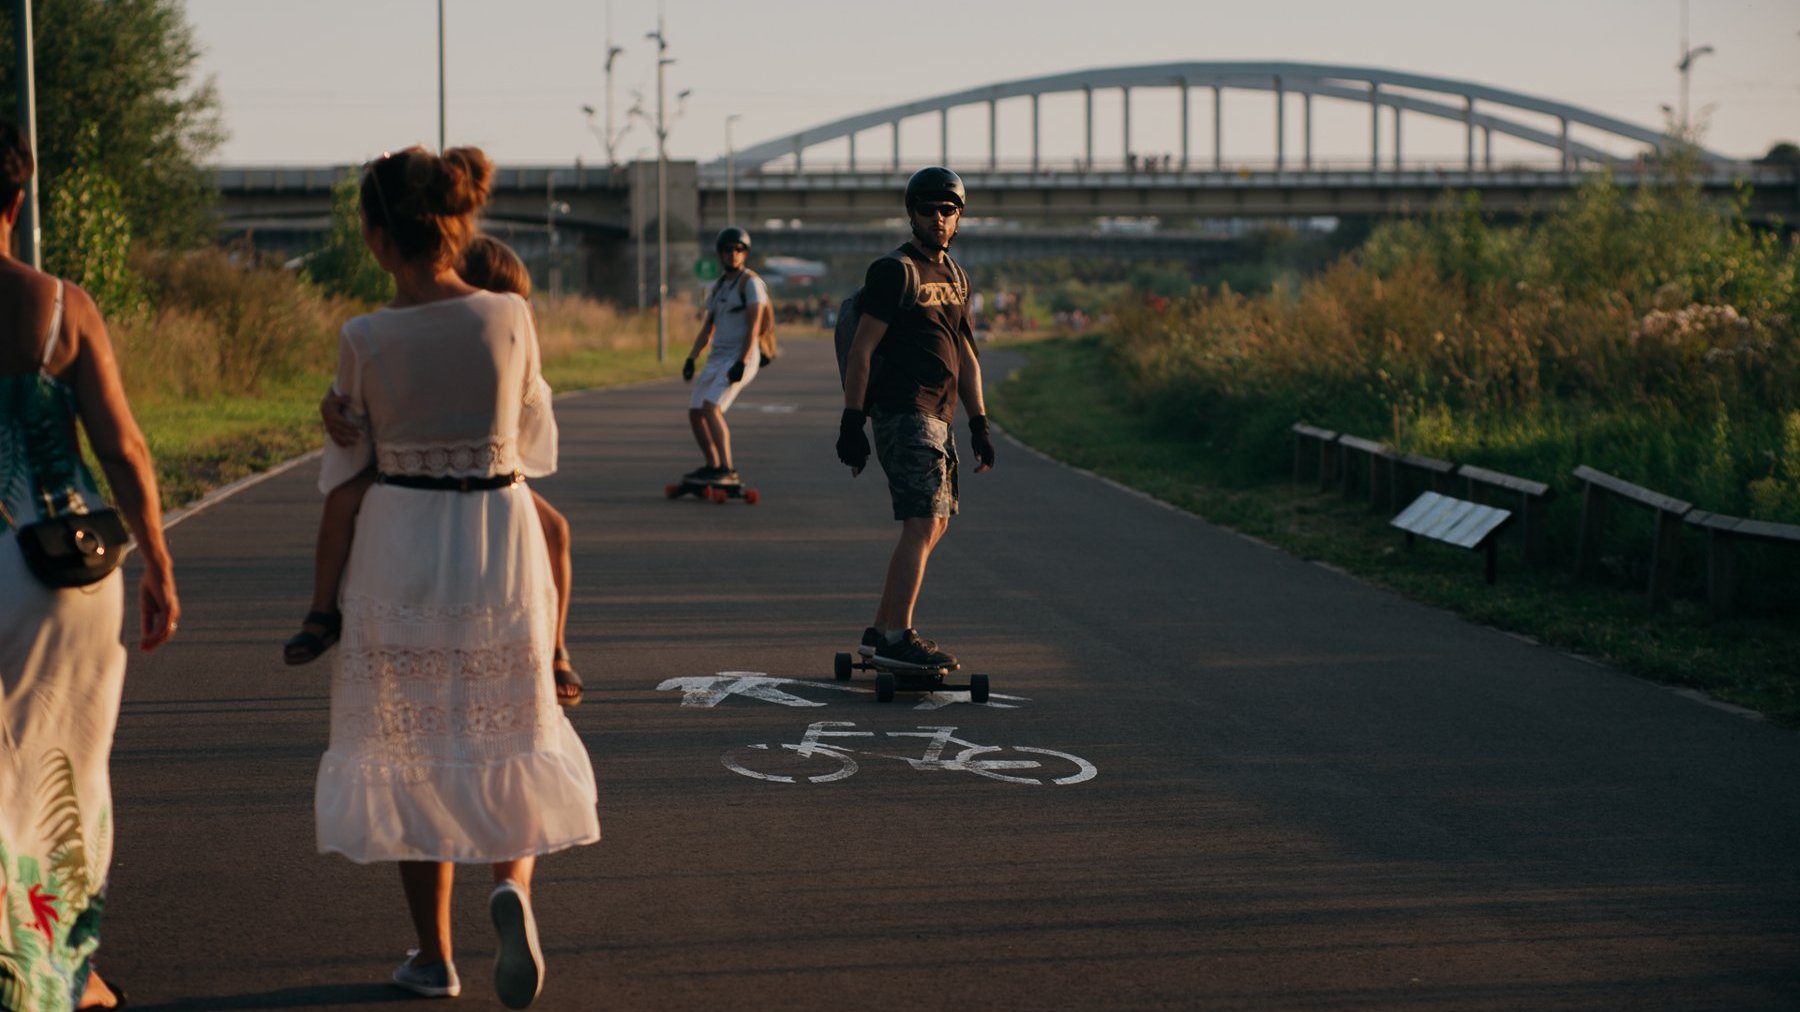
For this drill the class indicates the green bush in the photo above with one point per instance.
(87, 236)
(343, 265)
(1641, 331)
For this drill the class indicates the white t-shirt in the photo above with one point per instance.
(733, 309)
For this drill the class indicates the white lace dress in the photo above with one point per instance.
(446, 740)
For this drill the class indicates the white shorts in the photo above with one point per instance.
(712, 386)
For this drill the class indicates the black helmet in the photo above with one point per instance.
(934, 183)
(730, 235)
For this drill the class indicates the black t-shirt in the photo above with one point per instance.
(916, 362)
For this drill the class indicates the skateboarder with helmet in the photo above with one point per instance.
(738, 310)
(911, 359)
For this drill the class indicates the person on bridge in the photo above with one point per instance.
(912, 355)
(447, 745)
(62, 669)
(739, 320)
(486, 263)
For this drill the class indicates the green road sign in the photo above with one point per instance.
(706, 268)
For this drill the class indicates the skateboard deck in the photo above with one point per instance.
(891, 679)
(712, 491)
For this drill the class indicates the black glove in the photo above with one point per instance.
(852, 445)
(687, 369)
(978, 438)
(736, 372)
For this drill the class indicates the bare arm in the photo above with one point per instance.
(125, 458)
(968, 389)
(869, 332)
(968, 378)
(765, 322)
(704, 338)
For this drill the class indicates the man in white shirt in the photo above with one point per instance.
(738, 312)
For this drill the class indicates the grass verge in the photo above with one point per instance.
(1068, 402)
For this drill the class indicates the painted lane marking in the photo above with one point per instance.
(836, 760)
(707, 691)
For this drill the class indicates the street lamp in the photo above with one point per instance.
(1688, 56)
(440, 6)
(730, 172)
(28, 232)
(662, 188)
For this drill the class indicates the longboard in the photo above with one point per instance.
(712, 491)
(890, 679)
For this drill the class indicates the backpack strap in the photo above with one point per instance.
(56, 317)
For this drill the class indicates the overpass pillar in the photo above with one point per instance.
(1280, 126)
(1397, 156)
(944, 137)
(1374, 127)
(852, 152)
(1125, 95)
(896, 132)
(1487, 148)
(1087, 98)
(1218, 128)
(993, 135)
(1469, 126)
(1184, 123)
(1563, 143)
(1034, 132)
(1306, 111)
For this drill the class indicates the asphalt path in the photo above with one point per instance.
(1290, 790)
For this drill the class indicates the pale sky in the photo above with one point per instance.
(338, 81)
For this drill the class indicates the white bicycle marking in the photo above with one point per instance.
(706, 691)
(971, 758)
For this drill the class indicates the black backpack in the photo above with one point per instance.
(850, 313)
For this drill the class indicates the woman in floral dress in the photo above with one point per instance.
(62, 668)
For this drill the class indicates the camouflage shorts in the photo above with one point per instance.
(919, 456)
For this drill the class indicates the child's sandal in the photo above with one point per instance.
(564, 673)
(305, 646)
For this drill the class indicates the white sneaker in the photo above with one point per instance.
(518, 965)
(437, 980)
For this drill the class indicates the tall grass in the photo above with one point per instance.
(1642, 332)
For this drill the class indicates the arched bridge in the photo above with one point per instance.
(825, 173)
(1479, 109)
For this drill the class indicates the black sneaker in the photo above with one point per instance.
(723, 476)
(913, 652)
(872, 638)
(705, 472)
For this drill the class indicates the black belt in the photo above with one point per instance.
(448, 484)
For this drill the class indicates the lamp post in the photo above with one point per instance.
(27, 231)
(440, 6)
(730, 173)
(1688, 56)
(662, 189)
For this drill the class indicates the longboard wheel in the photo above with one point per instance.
(978, 688)
(840, 666)
(751, 496)
(884, 687)
(671, 490)
(718, 495)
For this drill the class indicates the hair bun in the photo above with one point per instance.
(464, 178)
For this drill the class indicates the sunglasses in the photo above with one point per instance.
(938, 210)
(736, 247)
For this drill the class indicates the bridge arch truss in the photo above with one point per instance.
(1482, 110)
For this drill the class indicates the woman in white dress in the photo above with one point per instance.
(447, 744)
(62, 668)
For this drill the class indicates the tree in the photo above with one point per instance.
(343, 265)
(87, 235)
(125, 68)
